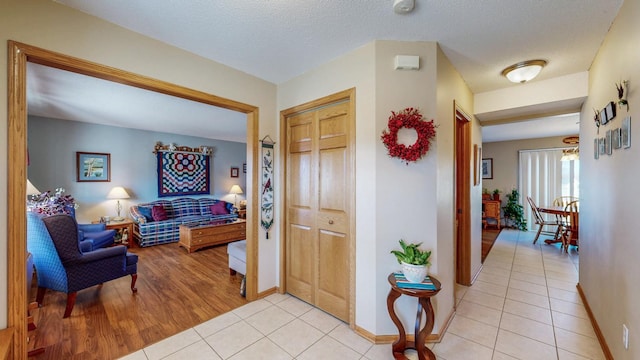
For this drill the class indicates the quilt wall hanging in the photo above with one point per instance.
(266, 197)
(183, 170)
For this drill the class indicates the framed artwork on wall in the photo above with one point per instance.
(487, 168)
(626, 132)
(235, 172)
(477, 156)
(616, 142)
(93, 167)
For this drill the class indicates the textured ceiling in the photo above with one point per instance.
(277, 40)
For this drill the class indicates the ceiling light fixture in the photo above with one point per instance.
(524, 71)
(403, 6)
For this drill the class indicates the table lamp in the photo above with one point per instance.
(32, 191)
(118, 193)
(235, 190)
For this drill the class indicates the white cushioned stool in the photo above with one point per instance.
(237, 257)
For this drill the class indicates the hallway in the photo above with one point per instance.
(524, 305)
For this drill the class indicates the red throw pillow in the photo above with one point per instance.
(158, 213)
(219, 208)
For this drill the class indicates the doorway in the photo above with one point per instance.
(463, 196)
(19, 55)
(318, 157)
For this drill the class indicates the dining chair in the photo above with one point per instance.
(570, 227)
(542, 222)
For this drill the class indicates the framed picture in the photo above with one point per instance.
(603, 117)
(235, 172)
(616, 138)
(625, 132)
(601, 143)
(487, 168)
(611, 111)
(93, 166)
(596, 148)
(477, 156)
(607, 142)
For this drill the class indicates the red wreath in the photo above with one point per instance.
(412, 119)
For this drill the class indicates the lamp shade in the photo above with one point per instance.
(236, 189)
(524, 71)
(31, 190)
(118, 192)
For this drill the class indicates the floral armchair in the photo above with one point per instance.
(62, 266)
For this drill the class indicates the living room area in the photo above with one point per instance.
(177, 288)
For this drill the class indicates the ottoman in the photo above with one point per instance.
(237, 257)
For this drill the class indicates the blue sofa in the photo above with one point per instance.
(148, 232)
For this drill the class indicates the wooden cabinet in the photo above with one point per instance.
(490, 213)
(193, 238)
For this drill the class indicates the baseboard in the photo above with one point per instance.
(387, 339)
(594, 323)
(475, 276)
(267, 292)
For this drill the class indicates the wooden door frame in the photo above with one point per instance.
(463, 194)
(350, 96)
(19, 55)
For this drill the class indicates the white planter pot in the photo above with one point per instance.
(414, 273)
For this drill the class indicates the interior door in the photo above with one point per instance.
(318, 207)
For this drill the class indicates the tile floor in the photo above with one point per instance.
(524, 305)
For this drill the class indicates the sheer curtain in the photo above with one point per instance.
(543, 177)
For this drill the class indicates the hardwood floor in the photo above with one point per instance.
(176, 291)
(489, 236)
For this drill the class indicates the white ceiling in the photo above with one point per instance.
(561, 125)
(277, 40)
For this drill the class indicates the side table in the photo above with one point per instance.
(122, 228)
(424, 304)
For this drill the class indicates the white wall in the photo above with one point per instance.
(55, 27)
(53, 143)
(452, 87)
(395, 200)
(609, 225)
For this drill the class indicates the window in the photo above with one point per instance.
(544, 177)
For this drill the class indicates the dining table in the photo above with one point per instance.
(559, 211)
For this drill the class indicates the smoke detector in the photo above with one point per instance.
(403, 6)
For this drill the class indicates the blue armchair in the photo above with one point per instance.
(94, 236)
(62, 266)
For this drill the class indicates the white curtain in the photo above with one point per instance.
(540, 177)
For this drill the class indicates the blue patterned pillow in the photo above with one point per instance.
(146, 212)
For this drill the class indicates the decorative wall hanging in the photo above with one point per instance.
(409, 118)
(625, 132)
(623, 91)
(266, 196)
(182, 170)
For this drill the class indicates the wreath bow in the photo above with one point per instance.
(412, 119)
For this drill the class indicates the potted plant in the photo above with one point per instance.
(413, 260)
(514, 212)
(485, 194)
(496, 194)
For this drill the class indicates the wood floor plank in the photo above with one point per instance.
(176, 291)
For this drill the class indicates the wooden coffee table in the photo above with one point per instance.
(218, 232)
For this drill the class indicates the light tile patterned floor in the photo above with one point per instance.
(524, 305)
